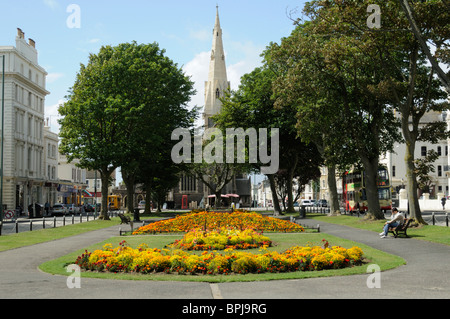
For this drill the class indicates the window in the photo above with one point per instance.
(439, 150)
(217, 93)
(393, 171)
(439, 170)
(423, 151)
(188, 184)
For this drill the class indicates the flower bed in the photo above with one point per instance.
(222, 238)
(146, 260)
(213, 220)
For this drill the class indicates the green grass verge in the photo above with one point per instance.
(28, 238)
(435, 234)
(282, 241)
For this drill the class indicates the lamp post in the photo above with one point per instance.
(3, 122)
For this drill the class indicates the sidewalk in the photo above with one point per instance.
(426, 274)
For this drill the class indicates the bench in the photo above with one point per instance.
(124, 219)
(401, 228)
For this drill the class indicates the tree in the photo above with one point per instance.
(253, 106)
(122, 108)
(336, 86)
(405, 81)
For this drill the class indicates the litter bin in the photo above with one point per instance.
(136, 215)
(302, 212)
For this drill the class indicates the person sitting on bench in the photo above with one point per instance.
(396, 219)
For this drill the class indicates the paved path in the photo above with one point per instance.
(426, 275)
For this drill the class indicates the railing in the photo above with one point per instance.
(14, 226)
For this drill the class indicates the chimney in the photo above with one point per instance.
(20, 33)
(32, 43)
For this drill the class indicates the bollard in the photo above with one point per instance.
(43, 223)
(17, 227)
(73, 219)
(446, 219)
(433, 219)
(64, 220)
(31, 225)
(318, 228)
(1, 226)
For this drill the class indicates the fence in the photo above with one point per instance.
(22, 225)
(431, 218)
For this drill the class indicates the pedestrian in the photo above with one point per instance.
(396, 219)
(443, 200)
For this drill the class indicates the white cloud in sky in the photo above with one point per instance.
(52, 4)
(53, 77)
(51, 112)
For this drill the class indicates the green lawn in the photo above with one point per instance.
(43, 235)
(282, 241)
(436, 234)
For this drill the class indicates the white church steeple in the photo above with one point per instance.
(217, 82)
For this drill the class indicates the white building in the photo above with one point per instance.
(23, 160)
(72, 182)
(51, 156)
(395, 161)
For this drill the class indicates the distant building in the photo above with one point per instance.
(23, 161)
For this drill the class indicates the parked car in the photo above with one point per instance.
(141, 204)
(73, 209)
(322, 203)
(59, 209)
(307, 202)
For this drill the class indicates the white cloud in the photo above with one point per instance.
(198, 69)
(51, 112)
(53, 77)
(52, 4)
(202, 34)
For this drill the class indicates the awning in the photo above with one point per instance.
(87, 193)
(232, 195)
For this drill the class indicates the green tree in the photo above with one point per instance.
(123, 107)
(327, 67)
(253, 106)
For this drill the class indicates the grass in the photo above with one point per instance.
(28, 238)
(435, 234)
(282, 241)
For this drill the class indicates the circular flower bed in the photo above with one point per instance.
(151, 260)
(223, 238)
(212, 220)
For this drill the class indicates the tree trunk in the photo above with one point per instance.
(334, 201)
(411, 184)
(371, 186)
(291, 170)
(130, 184)
(104, 175)
(276, 203)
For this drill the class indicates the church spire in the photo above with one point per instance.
(217, 82)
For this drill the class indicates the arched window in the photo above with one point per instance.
(217, 93)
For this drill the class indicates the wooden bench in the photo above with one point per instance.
(401, 228)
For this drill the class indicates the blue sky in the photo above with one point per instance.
(182, 28)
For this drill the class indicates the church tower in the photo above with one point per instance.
(217, 82)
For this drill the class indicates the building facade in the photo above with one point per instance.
(23, 160)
